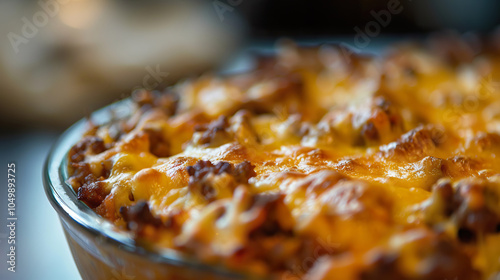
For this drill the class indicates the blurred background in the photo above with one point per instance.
(60, 60)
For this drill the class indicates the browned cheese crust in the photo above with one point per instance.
(318, 164)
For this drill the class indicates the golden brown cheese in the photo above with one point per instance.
(316, 165)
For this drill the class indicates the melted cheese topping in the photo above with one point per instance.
(371, 156)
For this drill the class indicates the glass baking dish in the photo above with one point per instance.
(100, 250)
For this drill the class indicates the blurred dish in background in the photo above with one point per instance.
(60, 61)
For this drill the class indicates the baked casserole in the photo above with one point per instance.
(320, 163)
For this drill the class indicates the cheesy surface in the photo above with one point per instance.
(318, 164)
